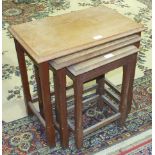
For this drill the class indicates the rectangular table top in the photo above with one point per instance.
(53, 37)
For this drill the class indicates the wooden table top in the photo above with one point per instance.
(53, 37)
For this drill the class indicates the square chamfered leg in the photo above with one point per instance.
(61, 104)
(39, 90)
(127, 86)
(43, 71)
(100, 89)
(78, 91)
(132, 75)
(24, 77)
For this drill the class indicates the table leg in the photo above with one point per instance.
(24, 76)
(61, 104)
(132, 75)
(43, 70)
(100, 89)
(78, 90)
(124, 93)
(56, 93)
(39, 90)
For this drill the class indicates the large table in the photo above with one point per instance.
(53, 37)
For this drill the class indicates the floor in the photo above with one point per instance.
(13, 102)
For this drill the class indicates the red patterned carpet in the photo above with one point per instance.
(143, 148)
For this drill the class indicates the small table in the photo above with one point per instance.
(53, 37)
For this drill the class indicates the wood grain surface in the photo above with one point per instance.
(53, 37)
(89, 53)
(101, 60)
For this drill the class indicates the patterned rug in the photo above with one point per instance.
(144, 148)
(26, 135)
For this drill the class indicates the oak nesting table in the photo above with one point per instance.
(54, 37)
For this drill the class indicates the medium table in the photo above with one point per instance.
(53, 37)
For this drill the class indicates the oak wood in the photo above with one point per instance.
(109, 66)
(111, 94)
(53, 37)
(132, 75)
(39, 116)
(100, 90)
(61, 104)
(127, 86)
(43, 71)
(93, 98)
(24, 76)
(109, 103)
(102, 123)
(78, 91)
(70, 96)
(39, 90)
(87, 89)
(112, 86)
(86, 54)
(96, 62)
(102, 66)
(96, 126)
